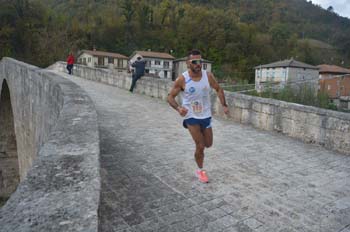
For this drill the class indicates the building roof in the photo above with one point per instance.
(185, 59)
(287, 63)
(326, 68)
(161, 55)
(102, 53)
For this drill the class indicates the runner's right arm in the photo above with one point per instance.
(175, 90)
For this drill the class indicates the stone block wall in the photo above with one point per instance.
(150, 86)
(310, 124)
(56, 131)
(36, 104)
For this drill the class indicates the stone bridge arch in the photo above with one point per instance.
(50, 124)
(9, 169)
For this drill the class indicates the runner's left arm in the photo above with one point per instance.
(220, 92)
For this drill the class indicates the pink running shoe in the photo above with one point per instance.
(202, 176)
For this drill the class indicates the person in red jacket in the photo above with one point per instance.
(70, 63)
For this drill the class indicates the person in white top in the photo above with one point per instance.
(195, 85)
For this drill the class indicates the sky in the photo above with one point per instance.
(341, 7)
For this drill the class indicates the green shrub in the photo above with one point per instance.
(304, 94)
(332, 106)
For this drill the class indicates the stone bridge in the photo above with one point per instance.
(79, 155)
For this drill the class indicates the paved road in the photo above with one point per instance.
(259, 181)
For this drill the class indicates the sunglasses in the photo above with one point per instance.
(196, 61)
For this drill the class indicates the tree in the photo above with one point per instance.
(128, 12)
(330, 9)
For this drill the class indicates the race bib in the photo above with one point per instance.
(197, 107)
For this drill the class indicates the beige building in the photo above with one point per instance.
(158, 64)
(101, 59)
(278, 74)
(180, 66)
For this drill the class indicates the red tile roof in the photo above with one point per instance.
(102, 53)
(326, 68)
(287, 63)
(161, 55)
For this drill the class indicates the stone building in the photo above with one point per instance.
(335, 81)
(101, 59)
(280, 73)
(158, 64)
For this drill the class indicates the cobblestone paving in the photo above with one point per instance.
(259, 181)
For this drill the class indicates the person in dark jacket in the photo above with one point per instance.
(70, 63)
(139, 71)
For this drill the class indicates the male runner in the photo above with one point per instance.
(195, 86)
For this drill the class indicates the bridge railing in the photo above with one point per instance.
(58, 146)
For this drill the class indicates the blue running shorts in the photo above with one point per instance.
(204, 123)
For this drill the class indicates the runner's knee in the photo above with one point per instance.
(200, 146)
(208, 144)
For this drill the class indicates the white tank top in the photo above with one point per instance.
(196, 97)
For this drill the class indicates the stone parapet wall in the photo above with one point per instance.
(56, 130)
(36, 104)
(150, 86)
(310, 124)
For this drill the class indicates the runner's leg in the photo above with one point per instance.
(133, 82)
(198, 138)
(208, 137)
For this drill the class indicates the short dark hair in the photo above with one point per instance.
(193, 52)
(139, 57)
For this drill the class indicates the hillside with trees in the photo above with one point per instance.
(236, 34)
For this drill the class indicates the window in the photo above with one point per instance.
(101, 61)
(120, 63)
(165, 74)
(146, 70)
(166, 64)
(84, 60)
(157, 62)
(110, 60)
(205, 66)
(89, 60)
(148, 63)
(259, 73)
(299, 76)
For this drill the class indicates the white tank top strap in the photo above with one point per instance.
(187, 77)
